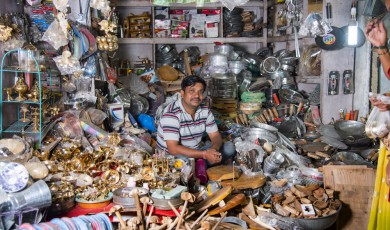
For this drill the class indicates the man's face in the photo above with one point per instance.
(387, 5)
(193, 95)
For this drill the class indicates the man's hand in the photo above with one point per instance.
(376, 33)
(378, 103)
(212, 156)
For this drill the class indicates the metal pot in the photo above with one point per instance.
(162, 204)
(218, 60)
(166, 48)
(128, 201)
(320, 222)
(350, 130)
(256, 133)
(223, 49)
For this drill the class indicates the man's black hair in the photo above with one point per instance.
(191, 81)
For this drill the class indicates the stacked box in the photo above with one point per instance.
(197, 26)
(212, 26)
(179, 29)
(162, 28)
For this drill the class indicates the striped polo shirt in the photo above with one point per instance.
(176, 124)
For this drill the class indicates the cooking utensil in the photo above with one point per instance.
(127, 201)
(253, 134)
(334, 142)
(290, 96)
(263, 126)
(350, 130)
(162, 204)
(329, 130)
(351, 158)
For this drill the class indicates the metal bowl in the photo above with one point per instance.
(259, 125)
(223, 49)
(162, 204)
(351, 158)
(127, 202)
(217, 59)
(319, 223)
(256, 133)
(350, 130)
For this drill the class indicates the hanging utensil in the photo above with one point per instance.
(187, 64)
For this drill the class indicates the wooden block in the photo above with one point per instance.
(289, 200)
(291, 210)
(305, 201)
(330, 193)
(281, 211)
(297, 206)
(288, 193)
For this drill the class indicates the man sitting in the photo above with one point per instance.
(184, 122)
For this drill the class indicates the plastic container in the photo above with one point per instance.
(200, 171)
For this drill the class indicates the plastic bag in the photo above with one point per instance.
(378, 123)
(310, 62)
(69, 126)
(230, 4)
(67, 64)
(249, 164)
(97, 116)
(314, 25)
(55, 36)
(61, 5)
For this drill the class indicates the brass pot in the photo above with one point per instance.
(20, 87)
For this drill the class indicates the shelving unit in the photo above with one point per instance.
(14, 124)
(135, 47)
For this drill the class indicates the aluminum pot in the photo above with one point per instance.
(350, 130)
(166, 48)
(217, 59)
(162, 204)
(236, 66)
(256, 133)
(223, 49)
(128, 201)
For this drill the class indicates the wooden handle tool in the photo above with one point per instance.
(236, 200)
(187, 64)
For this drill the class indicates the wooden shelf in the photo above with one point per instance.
(189, 40)
(284, 38)
(147, 3)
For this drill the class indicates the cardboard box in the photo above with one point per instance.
(212, 29)
(162, 33)
(197, 26)
(180, 17)
(163, 11)
(162, 24)
(179, 33)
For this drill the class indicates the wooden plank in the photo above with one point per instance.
(222, 172)
(354, 186)
(246, 182)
